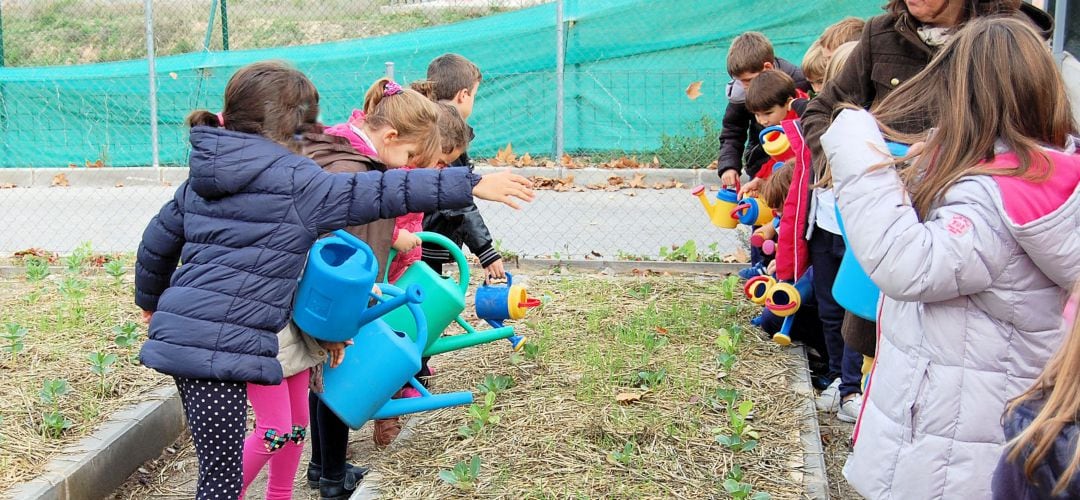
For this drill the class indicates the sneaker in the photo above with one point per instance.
(850, 408)
(750, 272)
(386, 431)
(314, 473)
(829, 400)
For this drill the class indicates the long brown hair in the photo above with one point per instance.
(1059, 384)
(410, 113)
(995, 80)
(268, 98)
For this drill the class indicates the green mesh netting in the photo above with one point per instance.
(627, 65)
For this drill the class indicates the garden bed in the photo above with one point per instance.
(625, 394)
(68, 359)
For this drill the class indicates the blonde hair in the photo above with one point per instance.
(410, 113)
(832, 69)
(814, 63)
(1059, 384)
(848, 29)
(748, 54)
(994, 81)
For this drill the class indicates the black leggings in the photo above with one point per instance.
(216, 413)
(329, 439)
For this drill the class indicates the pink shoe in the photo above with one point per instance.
(409, 392)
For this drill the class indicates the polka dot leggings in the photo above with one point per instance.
(216, 412)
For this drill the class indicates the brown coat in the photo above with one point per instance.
(335, 154)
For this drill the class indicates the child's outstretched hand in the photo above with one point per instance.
(406, 241)
(503, 187)
(336, 351)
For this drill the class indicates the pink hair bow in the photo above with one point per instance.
(392, 88)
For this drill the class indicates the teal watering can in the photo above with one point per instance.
(332, 300)
(378, 363)
(444, 304)
(853, 288)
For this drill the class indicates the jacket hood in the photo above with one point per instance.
(224, 162)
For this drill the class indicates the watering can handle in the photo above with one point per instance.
(766, 130)
(414, 308)
(454, 250)
(509, 279)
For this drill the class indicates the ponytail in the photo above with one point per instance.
(203, 118)
(375, 94)
(410, 113)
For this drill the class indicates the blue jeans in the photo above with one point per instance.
(826, 251)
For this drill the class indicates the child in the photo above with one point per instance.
(813, 67)
(1042, 456)
(455, 137)
(750, 54)
(453, 79)
(848, 29)
(241, 224)
(826, 251)
(971, 246)
(772, 99)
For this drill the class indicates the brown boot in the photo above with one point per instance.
(386, 429)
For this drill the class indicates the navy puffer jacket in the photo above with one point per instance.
(242, 225)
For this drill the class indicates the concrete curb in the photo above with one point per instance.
(815, 480)
(102, 461)
(173, 176)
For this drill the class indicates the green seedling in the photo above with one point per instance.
(734, 485)
(651, 379)
(495, 384)
(15, 337)
(464, 474)
(73, 289)
(728, 286)
(115, 268)
(740, 436)
(624, 456)
(127, 334)
(76, 261)
(482, 416)
(654, 340)
(102, 364)
(53, 422)
(726, 361)
(727, 396)
(531, 351)
(37, 268)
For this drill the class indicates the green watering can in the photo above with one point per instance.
(444, 303)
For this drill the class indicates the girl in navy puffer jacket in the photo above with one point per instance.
(242, 225)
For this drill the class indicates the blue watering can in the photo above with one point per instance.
(496, 303)
(332, 299)
(376, 366)
(444, 305)
(853, 288)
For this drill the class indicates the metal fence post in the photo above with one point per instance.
(1, 35)
(148, 9)
(390, 69)
(1060, 26)
(224, 25)
(560, 90)
(210, 26)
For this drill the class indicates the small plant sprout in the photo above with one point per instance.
(37, 268)
(77, 260)
(624, 456)
(740, 436)
(481, 415)
(728, 286)
(531, 351)
(654, 340)
(15, 336)
(102, 364)
(495, 384)
(115, 268)
(127, 334)
(734, 485)
(464, 474)
(53, 422)
(651, 379)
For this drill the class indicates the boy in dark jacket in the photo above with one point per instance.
(455, 81)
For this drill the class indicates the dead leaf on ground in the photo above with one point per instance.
(596, 254)
(669, 184)
(628, 397)
(7, 185)
(713, 166)
(526, 160)
(693, 91)
(630, 193)
(119, 185)
(568, 161)
(553, 183)
(661, 330)
(60, 180)
(72, 165)
(637, 182)
(655, 161)
(505, 156)
(96, 164)
(739, 257)
(615, 181)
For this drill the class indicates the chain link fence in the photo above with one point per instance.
(613, 106)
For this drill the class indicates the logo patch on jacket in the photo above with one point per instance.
(958, 225)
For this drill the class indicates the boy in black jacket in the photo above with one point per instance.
(455, 80)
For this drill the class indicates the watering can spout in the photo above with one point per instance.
(699, 191)
(427, 402)
(413, 295)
